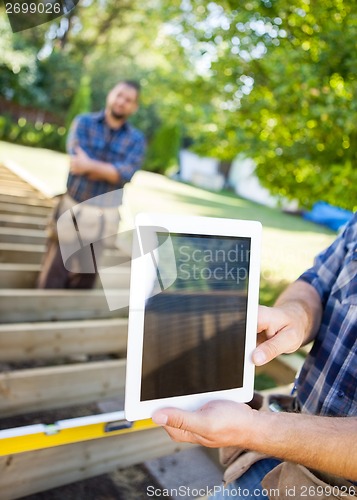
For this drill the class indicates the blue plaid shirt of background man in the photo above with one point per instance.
(124, 148)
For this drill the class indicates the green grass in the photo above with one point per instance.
(289, 242)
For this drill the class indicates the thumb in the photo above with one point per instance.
(178, 419)
(281, 343)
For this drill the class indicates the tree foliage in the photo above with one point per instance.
(280, 86)
(272, 79)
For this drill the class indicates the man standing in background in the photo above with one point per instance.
(105, 152)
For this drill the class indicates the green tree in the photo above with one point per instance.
(163, 150)
(81, 102)
(279, 82)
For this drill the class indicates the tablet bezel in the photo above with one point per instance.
(135, 409)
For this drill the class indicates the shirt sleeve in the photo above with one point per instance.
(77, 135)
(133, 161)
(323, 274)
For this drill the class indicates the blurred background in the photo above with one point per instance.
(273, 81)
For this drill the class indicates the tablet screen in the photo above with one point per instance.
(194, 330)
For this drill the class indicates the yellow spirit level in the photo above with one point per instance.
(73, 430)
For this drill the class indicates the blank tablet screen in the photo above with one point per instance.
(194, 330)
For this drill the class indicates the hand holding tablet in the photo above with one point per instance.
(193, 312)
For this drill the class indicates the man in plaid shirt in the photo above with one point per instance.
(105, 152)
(322, 435)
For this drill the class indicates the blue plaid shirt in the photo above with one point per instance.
(124, 148)
(328, 380)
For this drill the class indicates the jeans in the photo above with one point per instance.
(248, 485)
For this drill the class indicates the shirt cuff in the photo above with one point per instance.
(310, 276)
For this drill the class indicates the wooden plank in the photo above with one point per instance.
(279, 370)
(22, 221)
(15, 182)
(6, 197)
(25, 276)
(16, 187)
(32, 254)
(37, 389)
(49, 340)
(55, 305)
(19, 253)
(17, 192)
(16, 208)
(8, 176)
(19, 275)
(24, 236)
(27, 473)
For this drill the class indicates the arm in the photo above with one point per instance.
(84, 164)
(328, 444)
(325, 443)
(293, 322)
(81, 164)
(114, 173)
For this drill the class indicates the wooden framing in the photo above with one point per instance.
(31, 472)
(48, 340)
(16, 188)
(25, 199)
(22, 235)
(25, 276)
(21, 253)
(22, 221)
(16, 182)
(37, 389)
(56, 325)
(18, 275)
(15, 208)
(55, 305)
(32, 254)
(282, 370)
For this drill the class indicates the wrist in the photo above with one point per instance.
(301, 302)
(262, 432)
(253, 433)
(90, 166)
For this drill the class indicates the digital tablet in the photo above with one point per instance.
(192, 313)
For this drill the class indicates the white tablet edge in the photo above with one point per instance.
(135, 409)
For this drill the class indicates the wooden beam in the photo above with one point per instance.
(6, 197)
(7, 174)
(15, 182)
(20, 235)
(19, 253)
(17, 188)
(28, 209)
(18, 275)
(280, 370)
(55, 305)
(17, 192)
(22, 221)
(38, 389)
(27, 473)
(13, 253)
(49, 340)
(23, 236)
(25, 276)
